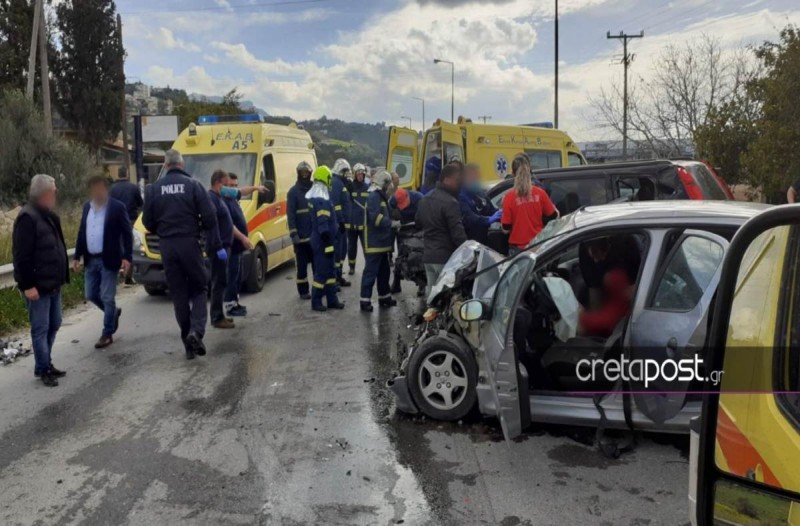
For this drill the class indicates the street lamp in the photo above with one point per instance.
(452, 86)
(409, 120)
(423, 110)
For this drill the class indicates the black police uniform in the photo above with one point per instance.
(177, 208)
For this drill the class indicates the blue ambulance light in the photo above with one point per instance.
(217, 119)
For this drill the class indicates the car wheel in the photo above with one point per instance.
(442, 377)
(258, 270)
(155, 290)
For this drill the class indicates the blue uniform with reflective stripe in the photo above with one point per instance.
(323, 236)
(358, 204)
(340, 197)
(378, 244)
(299, 218)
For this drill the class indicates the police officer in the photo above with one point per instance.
(297, 214)
(178, 209)
(323, 236)
(378, 242)
(358, 203)
(340, 197)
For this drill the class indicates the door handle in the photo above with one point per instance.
(672, 347)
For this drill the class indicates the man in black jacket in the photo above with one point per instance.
(129, 194)
(41, 267)
(179, 210)
(105, 244)
(439, 217)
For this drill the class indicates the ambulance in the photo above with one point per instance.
(492, 146)
(745, 448)
(259, 154)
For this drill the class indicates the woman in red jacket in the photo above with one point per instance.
(525, 207)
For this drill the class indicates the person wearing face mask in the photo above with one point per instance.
(358, 203)
(340, 197)
(477, 211)
(324, 227)
(439, 218)
(299, 219)
(378, 242)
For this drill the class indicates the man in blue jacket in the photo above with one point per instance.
(299, 218)
(323, 236)
(378, 242)
(358, 204)
(105, 244)
(477, 211)
(340, 197)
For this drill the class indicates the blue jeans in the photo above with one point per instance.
(45, 317)
(100, 287)
(234, 271)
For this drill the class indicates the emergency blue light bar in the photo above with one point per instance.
(541, 125)
(216, 119)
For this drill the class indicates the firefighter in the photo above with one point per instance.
(358, 203)
(299, 219)
(340, 197)
(323, 237)
(378, 242)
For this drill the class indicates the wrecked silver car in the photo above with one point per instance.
(505, 335)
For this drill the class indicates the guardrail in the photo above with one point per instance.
(7, 272)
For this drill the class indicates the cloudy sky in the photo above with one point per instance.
(365, 60)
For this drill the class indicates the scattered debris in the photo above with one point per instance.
(369, 380)
(10, 351)
(274, 313)
(349, 472)
(367, 479)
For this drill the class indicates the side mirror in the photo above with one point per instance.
(267, 197)
(471, 310)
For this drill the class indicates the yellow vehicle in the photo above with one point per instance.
(492, 146)
(745, 454)
(260, 154)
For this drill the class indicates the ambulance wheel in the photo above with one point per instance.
(155, 290)
(442, 377)
(258, 270)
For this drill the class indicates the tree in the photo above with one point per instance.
(88, 69)
(16, 17)
(189, 110)
(687, 83)
(772, 160)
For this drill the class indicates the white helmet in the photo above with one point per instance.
(359, 168)
(341, 167)
(382, 179)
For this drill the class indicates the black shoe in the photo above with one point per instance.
(237, 310)
(351, 271)
(396, 289)
(366, 306)
(305, 296)
(55, 372)
(319, 308)
(104, 342)
(116, 319)
(195, 342)
(189, 353)
(129, 281)
(337, 306)
(389, 302)
(49, 380)
(343, 282)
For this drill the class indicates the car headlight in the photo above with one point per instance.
(138, 240)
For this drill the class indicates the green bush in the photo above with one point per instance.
(14, 315)
(25, 150)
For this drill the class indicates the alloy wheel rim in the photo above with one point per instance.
(442, 380)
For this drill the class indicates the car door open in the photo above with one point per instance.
(498, 343)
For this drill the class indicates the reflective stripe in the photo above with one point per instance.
(331, 281)
(383, 205)
(302, 211)
(347, 225)
(301, 281)
(364, 194)
(378, 250)
(366, 300)
(305, 239)
(351, 261)
(323, 213)
(318, 285)
(328, 250)
(293, 231)
(385, 297)
(338, 208)
(338, 264)
(378, 219)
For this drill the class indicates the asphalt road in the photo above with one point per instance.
(287, 422)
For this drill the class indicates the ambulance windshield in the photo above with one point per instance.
(201, 166)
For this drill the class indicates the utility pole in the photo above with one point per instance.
(555, 102)
(423, 111)
(485, 118)
(126, 158)
(48, 114)
(626, 62)
(37, 13)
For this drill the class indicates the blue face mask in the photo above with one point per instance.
(229, 191)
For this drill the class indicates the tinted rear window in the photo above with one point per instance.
(571, 194)
(707, 182)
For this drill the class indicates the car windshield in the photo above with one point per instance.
(201, 166)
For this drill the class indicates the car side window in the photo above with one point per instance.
(571, 194)
(787, 349)
(689, 270)
(268, 179)
(636, 188)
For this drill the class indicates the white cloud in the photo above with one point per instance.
(166, 39)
